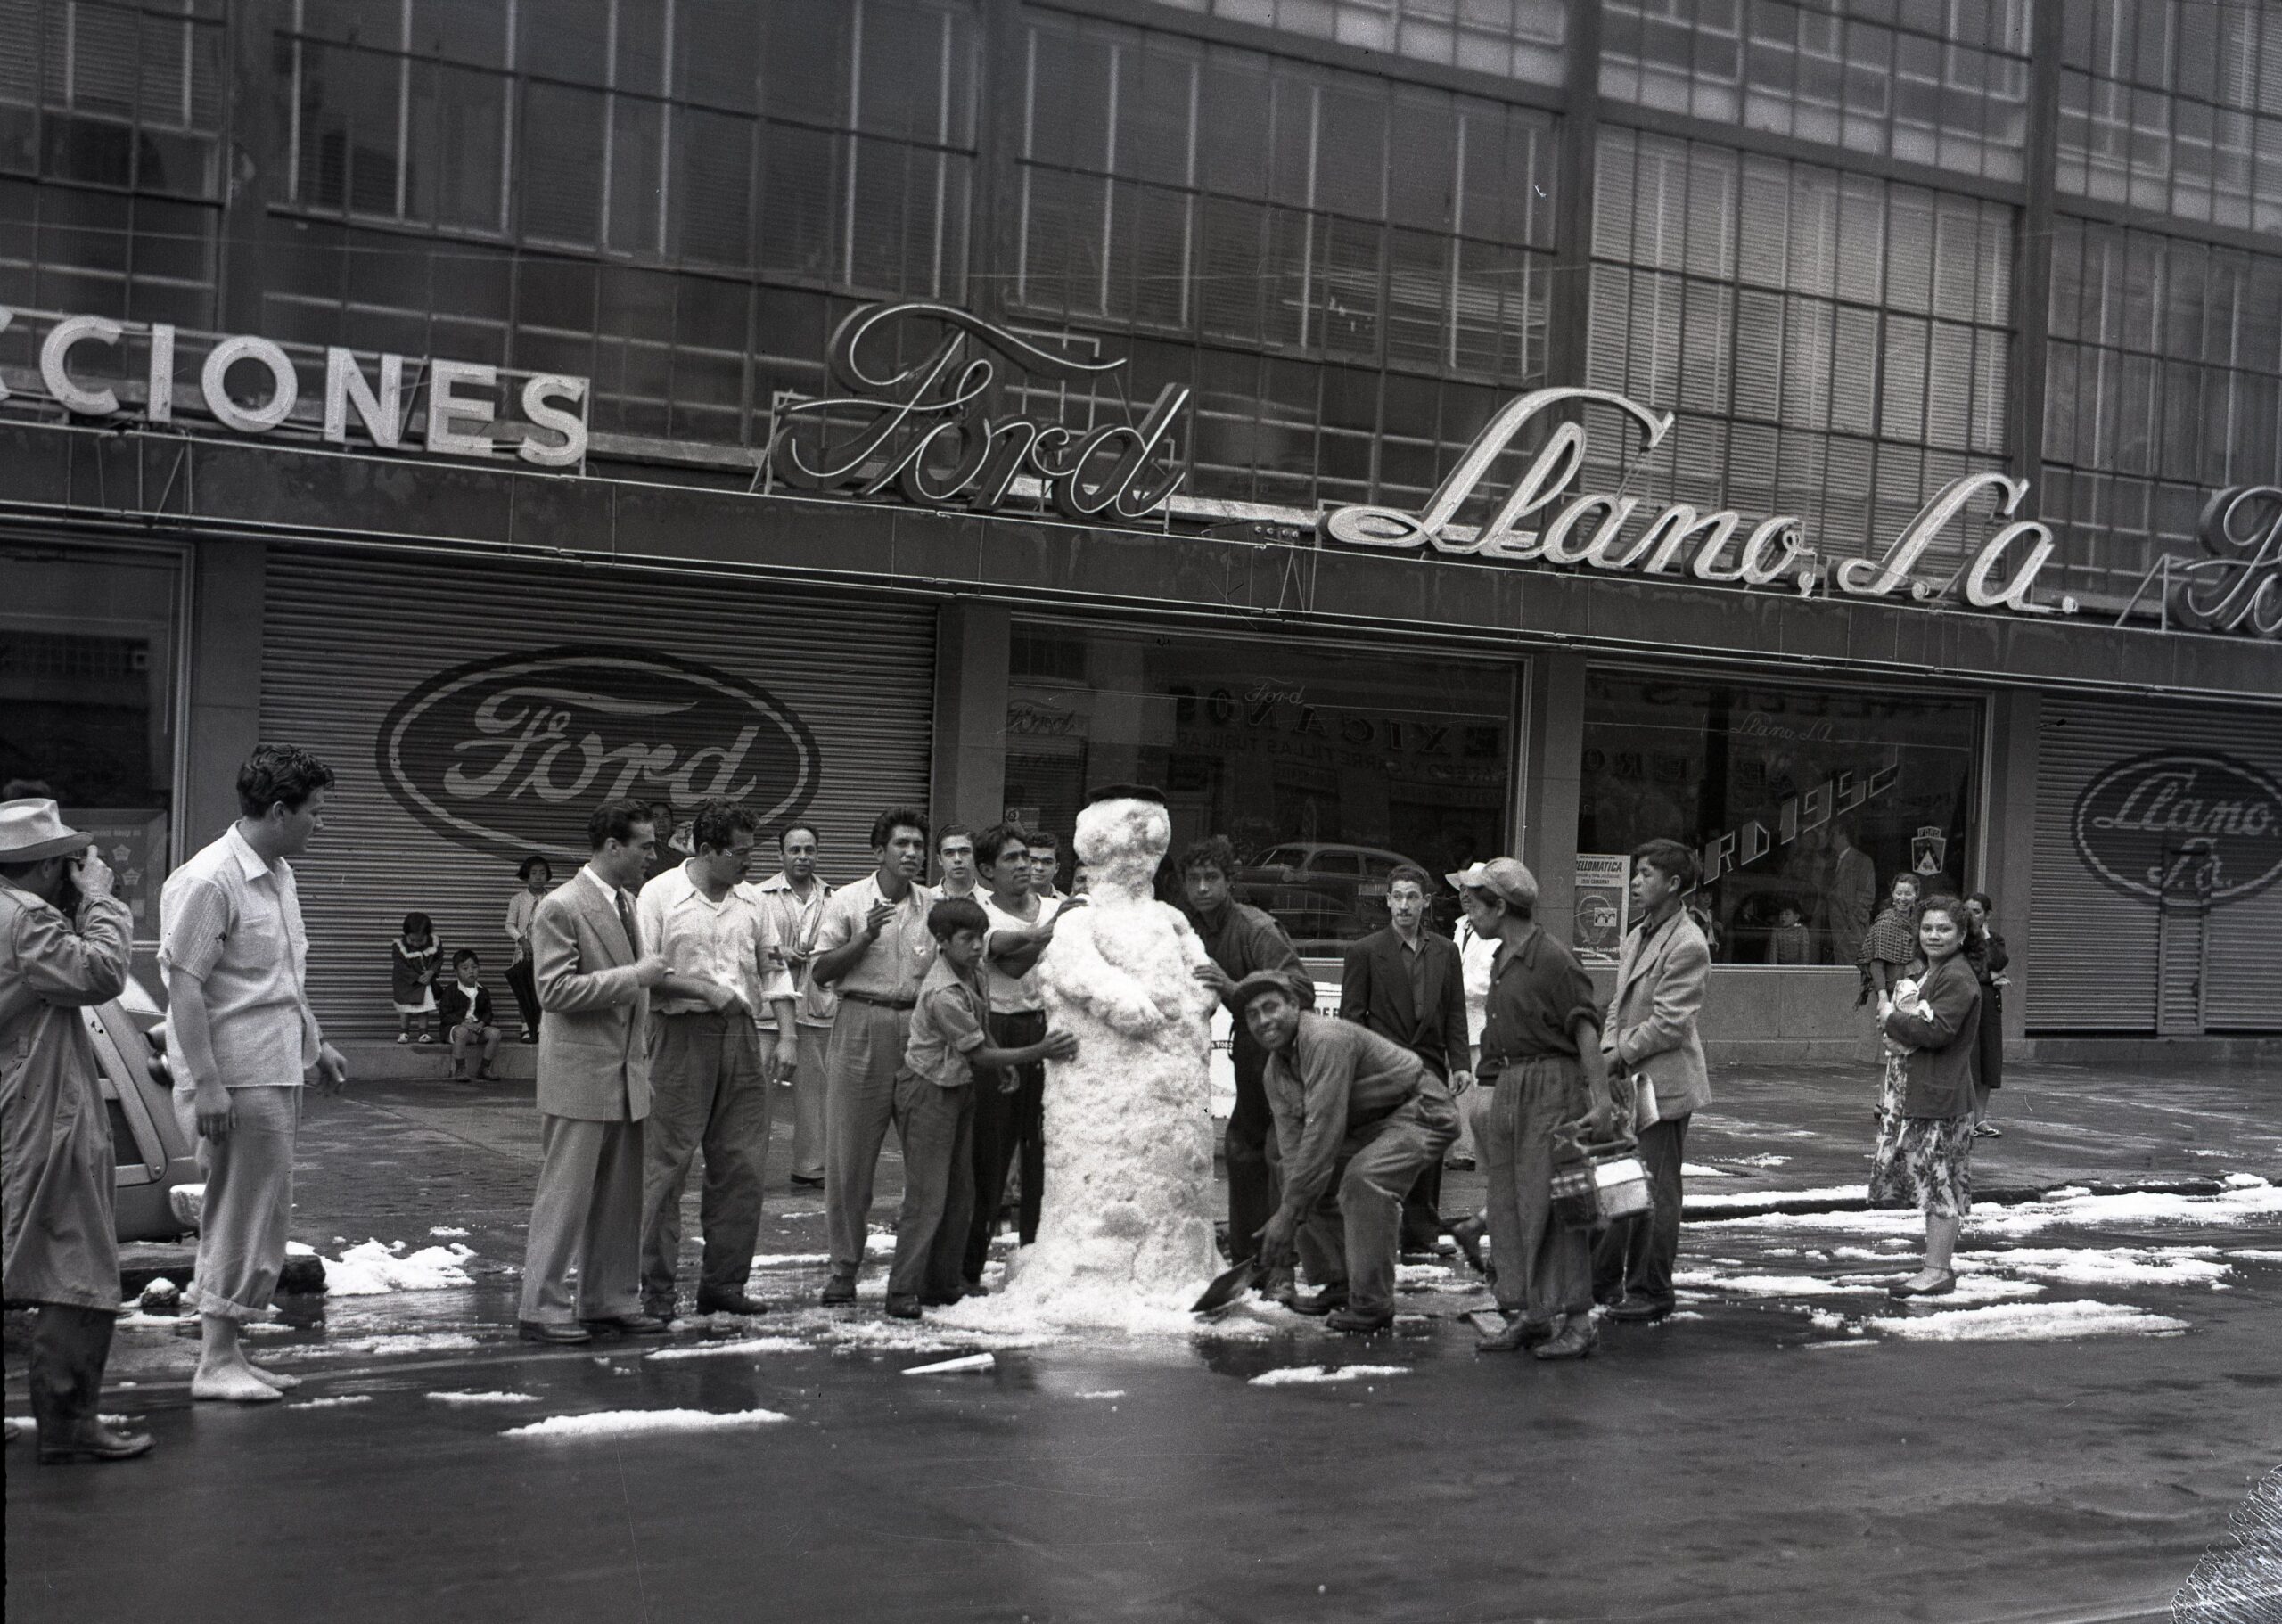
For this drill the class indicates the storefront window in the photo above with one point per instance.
(1802, 804)
(87, 702)
(1326, 768)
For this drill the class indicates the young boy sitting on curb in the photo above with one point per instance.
(934, 1110)
(465, 1015)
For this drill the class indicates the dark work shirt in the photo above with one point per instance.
(1536, 991)
(1414, 959)
(1242, 939)
(1336, 1075)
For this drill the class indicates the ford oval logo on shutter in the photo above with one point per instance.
(2137, 822)
(510, 755)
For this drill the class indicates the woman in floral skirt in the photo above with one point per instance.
(1931, 1022)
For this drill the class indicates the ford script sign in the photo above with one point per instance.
(509, 755)
(2143, 822)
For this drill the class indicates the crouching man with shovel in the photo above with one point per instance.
(1358, 1119)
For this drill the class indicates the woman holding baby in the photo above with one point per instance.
(1930, 1021)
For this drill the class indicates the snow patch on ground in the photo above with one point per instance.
(2256, 1255)
(372, 1269)
(2040, 1322)
(332, 1403)
(630, 1423)
(2248, 1199)
(2115, 1266)
(445, 1232)
(801, 1259)
(1719, 1202)
(1763, 1286)
(1311, 1375)
(1693, 1169)
(437, 1341)
(1104, 1392)
(465, 1397)
(731, 1348)
(875, 1336)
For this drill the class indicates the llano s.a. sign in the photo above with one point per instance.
(509, 755)
(2141, 819)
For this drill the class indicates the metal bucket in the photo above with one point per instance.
(1620, 1182)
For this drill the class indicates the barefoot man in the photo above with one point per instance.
(235, 959)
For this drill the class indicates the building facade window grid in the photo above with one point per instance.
(2174, 107)
(112, 94)
(1835, 346)
(1513, 39)
(1353, 383)
(2165, 368)
(1940, 83)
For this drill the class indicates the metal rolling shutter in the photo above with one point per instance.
(2093, 946)
(348, 636)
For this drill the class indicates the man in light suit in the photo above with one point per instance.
(1650, 1033)
(1406, 983)
(594, 979)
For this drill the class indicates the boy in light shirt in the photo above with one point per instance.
(934, 1110)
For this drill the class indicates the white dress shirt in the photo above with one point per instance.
(731, 943)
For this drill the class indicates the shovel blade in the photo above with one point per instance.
(1226, 1287)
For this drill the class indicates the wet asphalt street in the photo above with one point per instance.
(1788, 1449)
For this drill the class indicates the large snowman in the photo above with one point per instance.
(1124, 1230)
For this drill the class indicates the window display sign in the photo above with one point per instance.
(1590, 529)
(134, 842)
(1604, 905)
(1801, 804)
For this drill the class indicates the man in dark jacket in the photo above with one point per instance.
(1406, 983)
(1241, 941)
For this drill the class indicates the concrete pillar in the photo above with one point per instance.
(224, 709)
(2007, 858)
(969, 772)
(1552, 773)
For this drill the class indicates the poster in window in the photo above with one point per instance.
(1604, 900)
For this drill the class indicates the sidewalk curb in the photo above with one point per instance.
(1775, 1203)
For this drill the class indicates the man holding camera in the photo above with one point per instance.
(63, 948)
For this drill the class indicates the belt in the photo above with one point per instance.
(865, 997)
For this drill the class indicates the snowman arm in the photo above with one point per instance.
(1077, 969)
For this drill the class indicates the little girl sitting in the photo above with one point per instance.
(412, 974)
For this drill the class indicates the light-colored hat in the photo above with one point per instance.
(1506, 877)
(30, 830)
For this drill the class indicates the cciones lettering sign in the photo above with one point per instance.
(1590, 529)
(921, 428)
(460, 395)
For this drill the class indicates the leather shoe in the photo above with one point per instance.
(1357, 1324)
(1941, 1286)
(1328, 1300)
(1518, 1334)
(552, 1331)
(903, 1307)
(840, 1290)
(1640, 1311)
(1469, 1233)
(728, 1302)
(801, 1183)
(90, 1439)
(630, 1325)
(1576, 1340)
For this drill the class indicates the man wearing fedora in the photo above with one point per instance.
(63, 946)
(236, 958)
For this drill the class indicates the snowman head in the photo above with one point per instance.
(1121, 841)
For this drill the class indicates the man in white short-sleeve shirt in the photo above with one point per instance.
(1008, 1124)
(235, 960)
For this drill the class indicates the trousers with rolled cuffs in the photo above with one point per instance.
(1358, 1119)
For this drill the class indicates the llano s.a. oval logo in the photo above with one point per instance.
(2176, 816)
(509, 755)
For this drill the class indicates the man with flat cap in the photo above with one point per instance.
(63, 948)
(1358, 1117)
(1543, 1074)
